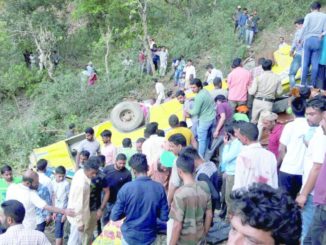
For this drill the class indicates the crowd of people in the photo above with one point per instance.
(212, 161)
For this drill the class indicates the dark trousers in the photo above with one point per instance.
(41, 227)
(290, 183)
(317, 232)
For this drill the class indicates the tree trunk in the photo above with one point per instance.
(142, 10)
(107, 37)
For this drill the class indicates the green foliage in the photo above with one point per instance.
(35, 110)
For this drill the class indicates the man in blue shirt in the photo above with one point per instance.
(242, 24)
(141, 202)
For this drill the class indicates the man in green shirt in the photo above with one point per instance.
(6, 180)
(127, 150)
(191, 209)
(204, 108)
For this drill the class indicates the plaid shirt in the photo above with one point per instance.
(18, 235)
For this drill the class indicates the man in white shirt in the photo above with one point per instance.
(153, 145)
(160, 91)
(190, 72)
(292, 150)
(89, 144)
(212, 73)
(163, 61)
(27, 195)
(79, 200)
(313, 161)
(12, 216)
(44, 180)
(254, 163)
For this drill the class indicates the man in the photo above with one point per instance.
(176, 143)
(292, 150)
(191, 208)
(89, 144)
(176, 129)
(224, 113)
(317, 231)
(254, 163)
(190, 72)
(265, 89)
(71, 130)
(27, 195)
(258, 70)
(116, 176)
(274, 129)
(238, 82)
(153, 145)
(242, 24)
(12, 216)
(296, 52)
(127, 150)
(44, 180)
(108, 149)
(43, 217)
(79, 200)
(6, 180)
(139, 144)
(314, 25)
(218, 90)
(160, 91)
(98, 198)
(205, 110)
(163, 61)
(313, 161)
(263, 215)
(141, 202)
(212, 73)
(187, 106)
(236, 17)
(207, 172)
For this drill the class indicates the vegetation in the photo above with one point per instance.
(38, 104)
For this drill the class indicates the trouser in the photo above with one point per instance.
(214, 148)
(249, 37)
(321, 81)
(107, 213)
(169, 229)
(317, 231)
(234, 103)
(242, 33)
(229, 182)
(203, 133)
(258, 107)
(75, 237)
(89, 229)
(41, 227)
(295, 66)
(290, 183)
(311, 56)
(307, 217)
(163, 70)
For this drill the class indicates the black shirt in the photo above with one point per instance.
(97, 185)
(115, 179)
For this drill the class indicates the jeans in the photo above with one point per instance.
(242, 33)
(203, 136)
(107, 213)
(311, 56)
(295, 66)
(58, 231)
(290, 183)
(124, 242)
(317, 231)
(249, 36)
(307, 217)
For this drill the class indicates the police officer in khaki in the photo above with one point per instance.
(265, 88)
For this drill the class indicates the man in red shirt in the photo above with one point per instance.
(238, 81)
(269, 123)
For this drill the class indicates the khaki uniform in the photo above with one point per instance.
(265, 88)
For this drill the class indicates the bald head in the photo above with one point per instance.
(30, 179)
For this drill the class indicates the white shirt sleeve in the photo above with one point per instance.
(285, 136)
(319, 149)
(37, 201)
